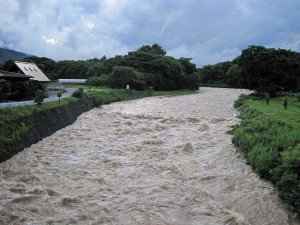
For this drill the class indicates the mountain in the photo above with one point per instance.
(7, 54)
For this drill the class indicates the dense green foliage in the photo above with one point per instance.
(215, 74)
(269, 70)
(39, 97)
(122, 76)
(266, 70)
(148, 66)
(269, 138)
(18, 90)
(78, 93)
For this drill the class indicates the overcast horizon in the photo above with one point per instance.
(209, 31)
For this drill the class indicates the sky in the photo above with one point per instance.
(208, 31)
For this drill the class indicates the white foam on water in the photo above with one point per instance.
(165, 160)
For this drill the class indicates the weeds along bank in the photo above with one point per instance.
(269, 138)
(26, 125)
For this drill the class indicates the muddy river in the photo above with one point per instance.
(158, 160)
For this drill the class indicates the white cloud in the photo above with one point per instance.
(50, 41)
(207, 31)
(89, 25)
(291, 41)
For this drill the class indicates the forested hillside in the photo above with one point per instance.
(7, 54)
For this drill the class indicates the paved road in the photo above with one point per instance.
(51, 98)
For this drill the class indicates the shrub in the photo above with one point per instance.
(98, 101)
(78, 93)
(39, 97)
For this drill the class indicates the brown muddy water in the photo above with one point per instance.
(158, 160)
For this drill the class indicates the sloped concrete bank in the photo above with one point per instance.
(44, 124)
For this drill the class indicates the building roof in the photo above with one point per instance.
(32, 70)
(11, 74)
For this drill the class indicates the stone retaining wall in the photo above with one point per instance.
(45, 123)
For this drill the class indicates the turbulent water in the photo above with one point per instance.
(158, 160)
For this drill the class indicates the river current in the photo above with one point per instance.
(157, 160)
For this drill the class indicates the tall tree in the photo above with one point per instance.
(269, 70)
(153, 49)
(189, 67)
(122, 76)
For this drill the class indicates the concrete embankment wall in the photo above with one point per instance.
(45, 123)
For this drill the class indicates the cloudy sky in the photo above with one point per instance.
(209, 31)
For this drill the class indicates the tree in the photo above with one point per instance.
(122, 76)
(39, 97)
(233, 76)
(31, 87)
(7, 65)
(215, 74)
(269, 70)
(193, 81)
(154, 49)
(189, 67)
(98, 81)
(161, 72)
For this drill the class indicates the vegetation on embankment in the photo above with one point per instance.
(12, 119)
(269, 138)
(15, 123)
(11, 129)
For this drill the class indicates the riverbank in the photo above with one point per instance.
(157, 160)
(25, 125)
(269, 139)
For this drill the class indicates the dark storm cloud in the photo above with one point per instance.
(209, 31)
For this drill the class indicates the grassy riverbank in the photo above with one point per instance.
(12, 122)
(103, 95)
(13, 119)
(269, 138)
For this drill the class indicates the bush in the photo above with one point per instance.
(40, 96)
(98, 101)
(78, 93)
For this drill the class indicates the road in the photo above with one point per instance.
(51, 98)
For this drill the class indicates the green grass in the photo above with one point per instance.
(13, 119)
(172, 93)
(269, 139)
(14, 113)
(275, 109)
(14, 122)
(83, 86)
(95, 91)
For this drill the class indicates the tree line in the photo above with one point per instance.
(148, 66)
(266, 70)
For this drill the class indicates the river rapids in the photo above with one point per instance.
(157, 160)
